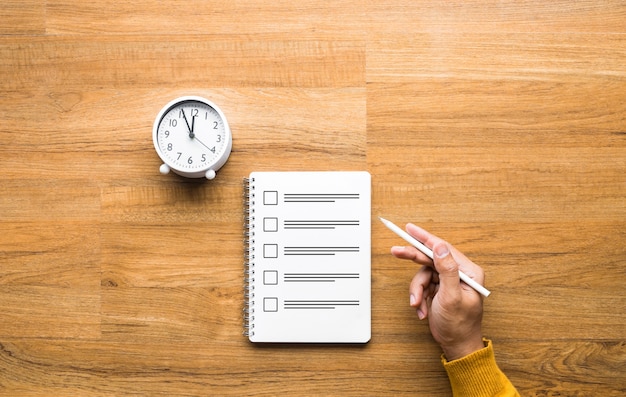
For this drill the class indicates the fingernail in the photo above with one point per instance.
(442, 250)
(412, 300)
(420, 314)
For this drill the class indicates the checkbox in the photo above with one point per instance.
(270, 250)
(270, 277)
(270, 198)
(270, 304)
(270, 224)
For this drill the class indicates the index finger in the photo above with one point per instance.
(430, 240)
(426, 238)
(411, 253)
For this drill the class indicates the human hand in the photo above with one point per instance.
(454, 310)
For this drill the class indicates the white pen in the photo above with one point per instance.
(428, 252)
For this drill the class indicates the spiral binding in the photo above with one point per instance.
(248, 291)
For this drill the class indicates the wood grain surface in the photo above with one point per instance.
(499, 125)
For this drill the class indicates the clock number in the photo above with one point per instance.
(219, 138)
(167, 134)
(169, 147)
(203, 157)
(173, 123)
(194, 112)
(212, 149)
(215, 125)
(179, 154)
(189, 160)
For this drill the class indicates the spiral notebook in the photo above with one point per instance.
(308, 257)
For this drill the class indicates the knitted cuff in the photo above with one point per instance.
(476, 374)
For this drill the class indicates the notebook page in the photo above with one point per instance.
(312, 257)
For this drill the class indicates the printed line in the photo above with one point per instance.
(319, 304)
(319, 197)
(319, 250)
(319, 224)
(318, 277)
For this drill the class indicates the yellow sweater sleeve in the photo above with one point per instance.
(478, 375)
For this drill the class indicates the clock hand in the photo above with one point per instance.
(191, 135)
(204, 144)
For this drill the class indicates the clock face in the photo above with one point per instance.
(191, 135)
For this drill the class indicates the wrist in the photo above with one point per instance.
(465, 348)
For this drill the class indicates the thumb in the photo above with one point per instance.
(448, 269)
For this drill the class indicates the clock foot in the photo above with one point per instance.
(164, 169)
(210, 174)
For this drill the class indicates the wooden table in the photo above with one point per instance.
(500, 126)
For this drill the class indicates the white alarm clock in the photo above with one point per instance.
(192, 137)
